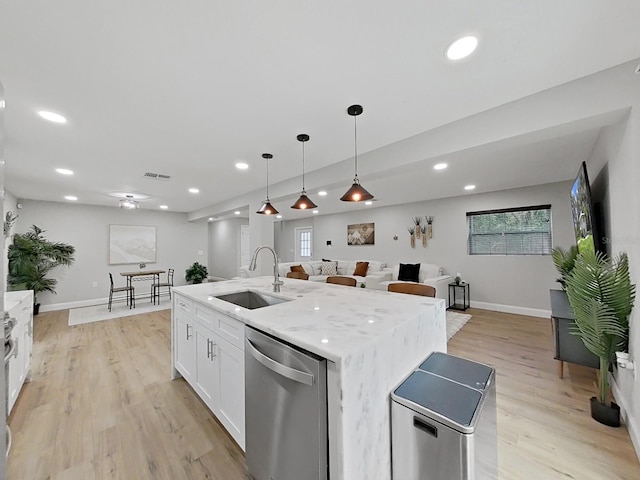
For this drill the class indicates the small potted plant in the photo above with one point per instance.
(564, 260)
(601, 295)
(196, 273)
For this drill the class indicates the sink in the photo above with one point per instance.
(251, 300)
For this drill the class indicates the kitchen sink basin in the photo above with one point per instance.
(251, 300)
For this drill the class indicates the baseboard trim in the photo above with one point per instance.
(632, 424)
(497, 307)
(81, 303)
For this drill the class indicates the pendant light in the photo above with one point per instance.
(267, 208)
(129, 203)
(356, 193)
(303, 202)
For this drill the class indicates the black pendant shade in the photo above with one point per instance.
(303, 202)
(357, 193)
(267, 208)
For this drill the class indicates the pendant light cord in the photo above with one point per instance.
(303, 167)
(355, 143)
(267, 179)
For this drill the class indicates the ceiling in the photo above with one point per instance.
(187, 89)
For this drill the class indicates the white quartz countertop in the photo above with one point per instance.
(333, 321)
(11, 299)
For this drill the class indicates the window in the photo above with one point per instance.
(510, 231)
(305, 243)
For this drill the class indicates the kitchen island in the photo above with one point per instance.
(371, 339)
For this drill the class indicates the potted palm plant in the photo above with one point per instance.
(601, 296)
(196, 273)
(31, 258)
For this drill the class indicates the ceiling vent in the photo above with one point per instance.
(157, 176)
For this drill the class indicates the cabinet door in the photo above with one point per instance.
(185, 346)
(16, 365)
(207, 373)
(230, 360)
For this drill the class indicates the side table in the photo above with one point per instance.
(459, 296)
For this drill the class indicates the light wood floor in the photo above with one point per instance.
(101, 406)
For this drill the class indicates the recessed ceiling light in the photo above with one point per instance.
(322, 193)
(210, 219)
(70, 197)
(164, 207)
(278, 216)
(52, 117)
(64, 171)
(469, 187)
(194, 190)
(237, 212)
(440, 166)
(461, 48)
(315, 211)
(242, 166)
(368, 202)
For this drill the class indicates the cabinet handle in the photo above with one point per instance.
(213, 350)
(189, 336)
(208, 348)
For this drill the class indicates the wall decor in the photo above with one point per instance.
(412, 232)
(417, 221)
(361, 234)
(424, 235)
(429, 220)
(132, 244)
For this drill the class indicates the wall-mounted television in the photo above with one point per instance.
(582, 209)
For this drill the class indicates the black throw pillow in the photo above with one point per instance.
(325, 260)
(409, 272)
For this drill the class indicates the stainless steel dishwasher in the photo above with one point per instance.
(286, 410)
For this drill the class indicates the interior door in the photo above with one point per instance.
(304, 244)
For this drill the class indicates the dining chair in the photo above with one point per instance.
(348, 281)
(130, 294)
(156, 286)
(298, 275)
(412, 289)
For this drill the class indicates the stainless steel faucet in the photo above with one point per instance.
(276, 275)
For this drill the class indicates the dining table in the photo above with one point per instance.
(139, 275)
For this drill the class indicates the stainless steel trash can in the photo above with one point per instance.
(443, 422)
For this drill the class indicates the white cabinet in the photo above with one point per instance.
(208, 351)
(19, 305)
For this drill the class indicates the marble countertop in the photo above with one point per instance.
(332, 321)
(11, 299)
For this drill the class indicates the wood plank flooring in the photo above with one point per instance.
(101, 405)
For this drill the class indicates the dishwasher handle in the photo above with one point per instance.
(271, 364)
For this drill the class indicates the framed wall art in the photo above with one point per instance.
(132, 244)
(361, 234)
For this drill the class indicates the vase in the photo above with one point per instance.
(430, 230)
(606, 414)
(417, 232)
(424, 240)
(413, 241)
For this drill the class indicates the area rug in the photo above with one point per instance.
(96, 313)
(455, 321)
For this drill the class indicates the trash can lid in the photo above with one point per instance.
(440, 399)
(472, 374)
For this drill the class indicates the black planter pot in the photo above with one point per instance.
(36, 308)
(606, 414)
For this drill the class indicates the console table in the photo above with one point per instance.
(568, 347)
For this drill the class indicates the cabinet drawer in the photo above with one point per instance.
(204, 315)
(183, 305)
(231, 330)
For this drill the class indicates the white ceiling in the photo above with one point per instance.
(189, 88)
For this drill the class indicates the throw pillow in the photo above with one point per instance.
(297, 268)
(409, 272)
(361, 269)
(329, 268)
(326, 260)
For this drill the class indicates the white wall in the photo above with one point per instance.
(10, 205)
(520, 281)
(619, 146)
(224, 247)
(86, 227)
